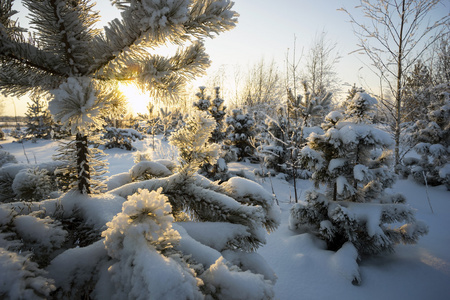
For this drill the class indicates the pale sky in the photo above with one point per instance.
(266, 30)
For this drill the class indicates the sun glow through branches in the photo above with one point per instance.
(137, 99)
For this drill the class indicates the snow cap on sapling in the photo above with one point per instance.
(77, 104)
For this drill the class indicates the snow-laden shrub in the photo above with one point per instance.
(18, 134)
(273, 148)
(432, 139)
(192, 142)
(241, 129)
(120, 138)
(32, 184)
(27, 242)
(31, 231)
(173, 235)
(216, 109)
(352, 158)
(239, 207)
(6, 157)
(20, 278)
(42, 234)
(140, 241)
(229, 282)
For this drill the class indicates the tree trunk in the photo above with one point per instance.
(399, 89)
(83, 172)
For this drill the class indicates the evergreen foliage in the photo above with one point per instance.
(25, 182)
(308, 109)
(417, 93)
(6, 157)
(32, 184)
(144, 230)
(432, 138)
(274, 147)
(352, 159)
(120, 138)
(216, 109)
(67, 155)
(192, 141)
(39, 124)
(79, 65)
(241, 129)
(201, 233)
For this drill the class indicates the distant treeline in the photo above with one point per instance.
(13, 119)
(8, 121)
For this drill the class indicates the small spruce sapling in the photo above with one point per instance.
(192, 142)
(241, 129)
(274, 144)
(120, 138)
(432, 137)
(352, 159)
(39, 121)
(215, 109)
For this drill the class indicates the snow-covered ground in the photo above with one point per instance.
(304, 268)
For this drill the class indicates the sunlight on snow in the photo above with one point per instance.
(435, 262)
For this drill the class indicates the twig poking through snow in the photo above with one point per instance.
(428, 196)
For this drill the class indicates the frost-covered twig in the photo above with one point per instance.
(428, 196)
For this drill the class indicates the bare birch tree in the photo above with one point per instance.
(263, 85)
(320, 70)
(395, 34)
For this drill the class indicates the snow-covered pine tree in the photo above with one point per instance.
(241, 128)
(198, 204)
(203, 103)
(39, 121)
(79, 65)
(274, 144)
(215, 109)
(352, 159)
(26, 182)
(432, 138)
(192, 141)
(120, 138)
(6, 157)
(202, 234)
(303, 110)
(417, 93)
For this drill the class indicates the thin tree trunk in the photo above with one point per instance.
(399, 89)
(83, 172)
(294, 174)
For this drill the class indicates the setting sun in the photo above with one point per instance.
(137, 99)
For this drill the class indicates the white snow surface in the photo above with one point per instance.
(305, 269)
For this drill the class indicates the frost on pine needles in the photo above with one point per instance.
(140, 241)
(32, 184)
(352, 159)
(192, 141)
(77, 103)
